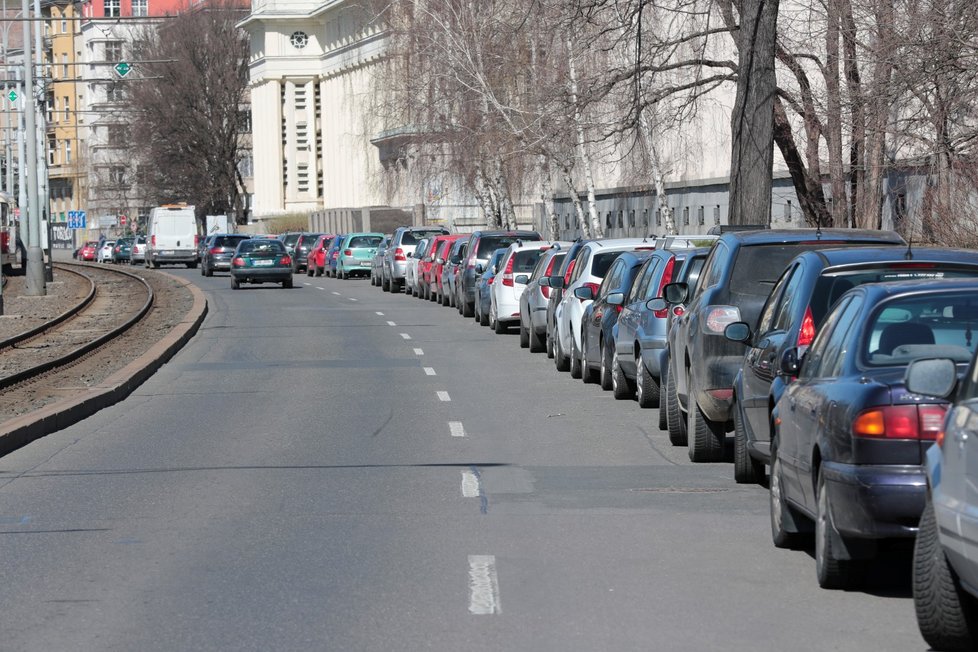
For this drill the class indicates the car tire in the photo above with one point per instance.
(621, 387)
(207, 271)
(395, 287)
(310, 271)
(536, 345)
(706, 438)
(287, 284)
(747, 470)
(646, 387)
(500, 327)
(191, 265)
(468, 309)
(235, 284)
(561, 361)
(832, 571)
(156, 265)
(576, 368)
(524, 336)
(946, 615)
(203, 270)
(588, 375)
(385, 284)
(786, 522)
(604, 373)
(676, 424)
(483, 318)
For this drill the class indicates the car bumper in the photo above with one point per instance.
(875, 502)
(716, 401)
(256, 275)
(219, 263)
(177, 256)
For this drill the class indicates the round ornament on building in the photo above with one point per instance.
(299, 40)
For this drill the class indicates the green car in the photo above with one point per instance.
(356, 254)
(261, 261)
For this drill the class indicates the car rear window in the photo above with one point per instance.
(291, 238)
(831, 286)
(363, 241)
(489, 243)
(228, 240)
(412, 237)
(602, 261)
(262, 246)
(929, 326)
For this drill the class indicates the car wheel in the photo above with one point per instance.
(706, 437)
(287, 284)
(621, 388)
(588, 375)
(605, 368)
(747, 470)
(575, 359)
(536, 345)
(500, 327)
(395, 287)
(156, 265)
(191, 265)
(235, 284)
(675, 422)
(203, 270)
(385, 284)
(663, 416)
(483, 318)
(524, 336)
(946, 614)
(646, 386)
(207, 271)
(561, 361)
(468, 309)
(832, 571)
(310, 271)
(785, 521)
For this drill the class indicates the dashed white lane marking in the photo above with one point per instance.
(405, 336)
(319, 288)
(352, 299)
(337, 293)
(429, 371)
(470, 485)
(380, 313)
(307, 283)
(390, 323)
(419, 352)
(443, 396)
(456, 428)
(483, 586)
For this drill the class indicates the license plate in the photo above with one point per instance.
(365, 263)
(166, 253)
(263, 263)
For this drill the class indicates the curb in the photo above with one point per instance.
(24, 429)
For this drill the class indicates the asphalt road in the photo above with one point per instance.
(336, 468)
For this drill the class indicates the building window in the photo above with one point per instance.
(64, 26)
(567, 221)
(608, 223)
(701, 215)
(117, 175)
(113, 93)
(113, 8)
(302, 177)
(49, 107)
(716, 214)
(787, 211)
(631, 217)
(67, 152)
(621, 219)
(246, 166)
(140, 7)
(118, 135)
(685, 215)
(113, 49)
(52, 149)
(645, 217)
(67, 108)
(302, 136)
(64, 65)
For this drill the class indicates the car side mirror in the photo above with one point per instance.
(556, 282)
(676, 292)
(738, 331)
(480, 268)
(584, 293)
(657, 304)
(932, 377)
(615, 299)
(544, 282)
(522, 279)
(790, 361)
(439, 261)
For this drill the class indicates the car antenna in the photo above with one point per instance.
(908, 255)
(818, 228)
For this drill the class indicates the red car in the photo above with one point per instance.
(316, 259)
(89, 251)
(432, 276)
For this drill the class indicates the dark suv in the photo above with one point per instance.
(735, 282)
(219, 251)
(480, 248)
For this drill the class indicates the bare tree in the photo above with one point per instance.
(192, 110)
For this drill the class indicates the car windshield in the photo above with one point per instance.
(412, 237)
(365, 241)
(831, 286)
(228, 240)
(489, 243)
(252, 246)
(930, 326)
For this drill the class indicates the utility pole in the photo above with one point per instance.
(34, 282)
(43, 199)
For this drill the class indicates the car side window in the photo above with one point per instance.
(777, 312)
(713, 268)
(582, 262)
(612, 279)
(828, 352)
(639, 288)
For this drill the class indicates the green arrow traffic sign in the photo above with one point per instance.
(122, 68)
(12, 96)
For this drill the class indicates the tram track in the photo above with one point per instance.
(116, 301)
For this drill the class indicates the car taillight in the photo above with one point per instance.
(238, 262)
(347, 252)
(491, 279)
(678, 311)
(152, 240)
(217, 250)
(807, 332)
(570, 270)
(336, 254)
(5, 242)
(665, 280)
(196, 241)
(901, 422)
(718, 318)
(285, 260)
(399, 255)
(508, 273)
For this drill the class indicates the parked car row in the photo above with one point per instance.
(831, 357)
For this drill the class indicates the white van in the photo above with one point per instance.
(171, 236)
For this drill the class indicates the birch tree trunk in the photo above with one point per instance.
(578, 208)
(582, 152)
(658, 178)
(547, 196)
(507, 215)
(484, 195)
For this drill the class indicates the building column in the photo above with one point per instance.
(267, 147)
